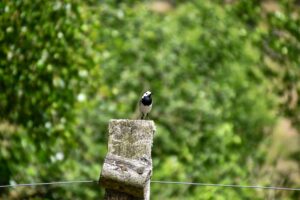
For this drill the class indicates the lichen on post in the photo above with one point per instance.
(127, 167)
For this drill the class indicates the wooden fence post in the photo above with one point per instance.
(127, 168)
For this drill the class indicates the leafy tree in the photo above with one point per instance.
(277, 34)
(204, 72)
(48, 63)
(67, 67)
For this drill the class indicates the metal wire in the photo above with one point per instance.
(159, 182)
(228, 185)
(47, 183)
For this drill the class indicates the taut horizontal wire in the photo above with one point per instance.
(47, 183)
(161, 182)
(228, 185)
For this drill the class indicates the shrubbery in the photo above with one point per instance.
(48, 63)
(67, 67)
(204, 73)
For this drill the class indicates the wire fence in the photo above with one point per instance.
(157, 182)
(46, 183)
(228, 185)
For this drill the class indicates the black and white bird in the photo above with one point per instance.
(145, 104)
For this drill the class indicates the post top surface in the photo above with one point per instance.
(132, 122)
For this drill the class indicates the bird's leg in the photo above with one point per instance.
(142, 115)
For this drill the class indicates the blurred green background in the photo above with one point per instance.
(225, 76)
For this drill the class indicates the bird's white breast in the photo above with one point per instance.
(145, 109)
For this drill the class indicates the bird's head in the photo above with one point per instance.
(147, 94)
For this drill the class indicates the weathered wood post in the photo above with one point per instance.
(127, 167)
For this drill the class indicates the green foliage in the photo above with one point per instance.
(48, 63)
(67, 67)
(281, 44)
(202, 69)
(277, 34)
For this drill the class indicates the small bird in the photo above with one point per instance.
(145, 104)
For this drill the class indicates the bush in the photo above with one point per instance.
(204, 72)
(67, 67)
(48, 63)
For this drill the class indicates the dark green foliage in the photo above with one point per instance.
(281, 44)
(67, 67)
(202, 69)
(47, 62)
